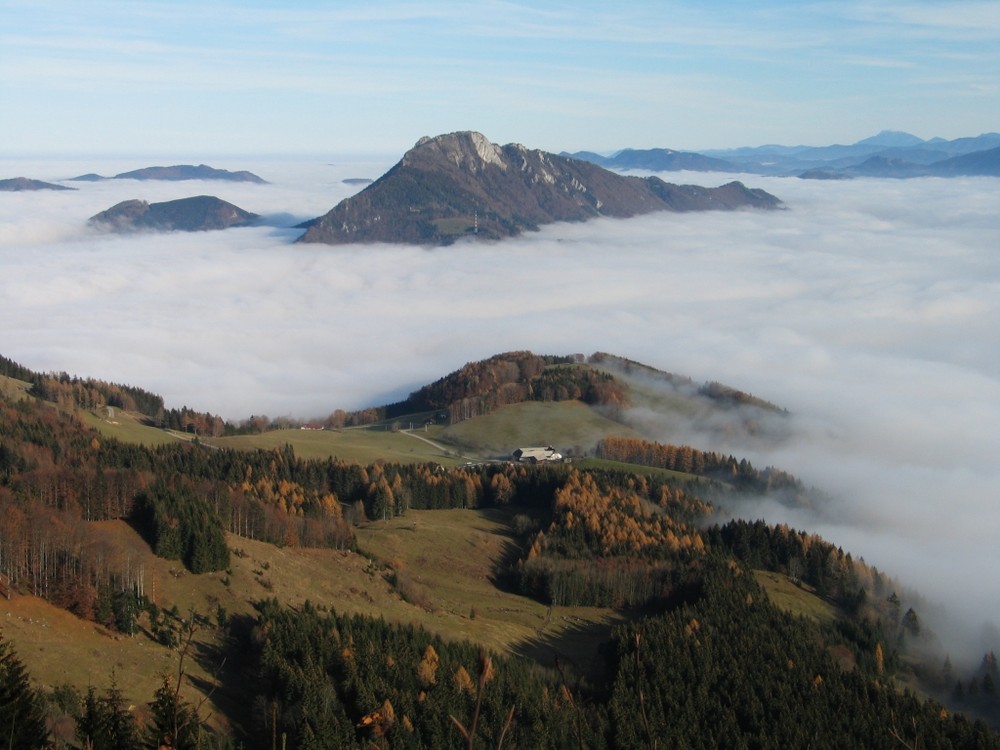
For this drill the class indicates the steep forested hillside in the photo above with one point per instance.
(724, 669)
(707, 661)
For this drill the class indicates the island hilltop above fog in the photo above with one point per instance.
(461, 185)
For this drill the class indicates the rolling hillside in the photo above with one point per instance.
(392, 555)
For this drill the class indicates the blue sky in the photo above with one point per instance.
(207, 78)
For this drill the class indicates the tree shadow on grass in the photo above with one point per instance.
(581, 650)
(224, 680)
(504, 574)
(584, 647)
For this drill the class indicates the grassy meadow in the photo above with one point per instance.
(129, 428)
(361, 445)
(13, 388)
(568, 426)
(433, 569)
(796, 598)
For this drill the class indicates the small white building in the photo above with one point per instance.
(534, 455)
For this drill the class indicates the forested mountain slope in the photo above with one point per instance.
(705, 660)
(462, 185)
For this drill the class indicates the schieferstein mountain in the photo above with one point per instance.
(461, 184)
(200, 213)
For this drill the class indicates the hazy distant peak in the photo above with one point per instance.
(18, 184)
(894, 138)
(178, 172)
(189, 172)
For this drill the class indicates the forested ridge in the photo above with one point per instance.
(707, 661)
(480, 388)
(476, 389)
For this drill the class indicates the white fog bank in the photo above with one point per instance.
(869, 308)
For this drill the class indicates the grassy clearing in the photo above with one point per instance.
(796, 599)
(447, 559)
(566, 425)
(128, 428)
(649, 471)
(570, 426)
(359, 445)
(455, 225)
(13, 388)
(59, 648)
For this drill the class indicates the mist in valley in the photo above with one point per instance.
(869, 309)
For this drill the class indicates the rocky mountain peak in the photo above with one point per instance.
(462, 185)
(465, 149)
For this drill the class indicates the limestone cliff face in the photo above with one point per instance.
(462, 185)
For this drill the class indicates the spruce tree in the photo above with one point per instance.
(106, 722)
(173, 722)
(22, 718)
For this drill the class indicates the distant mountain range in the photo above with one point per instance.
(200, 213)
(17, 184)
(888, 154)
(461, 184)
(177, 172)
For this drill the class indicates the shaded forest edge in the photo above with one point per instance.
(711, 651)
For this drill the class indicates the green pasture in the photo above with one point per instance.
(13, 388)
(454, 225)
(795, 598)
(447, 561)
(568, 426)
(126, 427)
(361, 445)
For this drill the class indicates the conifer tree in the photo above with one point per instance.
(173, 721)
(106, 723)
(22, 720)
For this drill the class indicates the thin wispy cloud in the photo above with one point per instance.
(302, 78)
(958, 20)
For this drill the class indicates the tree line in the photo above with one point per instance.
(739, 473)
(480, 388)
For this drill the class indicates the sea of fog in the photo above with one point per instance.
(868, 308)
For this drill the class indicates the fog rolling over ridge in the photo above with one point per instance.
(870, 309)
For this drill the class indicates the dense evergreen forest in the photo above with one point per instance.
(708, 661)
(723, 668)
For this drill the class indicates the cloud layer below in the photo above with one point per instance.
(869, 309)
